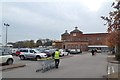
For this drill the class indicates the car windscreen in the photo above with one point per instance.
(35, 50)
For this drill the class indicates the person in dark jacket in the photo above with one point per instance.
(93, 52)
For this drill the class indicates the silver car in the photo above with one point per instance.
(31, 54)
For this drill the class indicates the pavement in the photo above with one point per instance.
(113, 67)
(13, 66)
(77, 66)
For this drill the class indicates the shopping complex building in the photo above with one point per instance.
(77, 40)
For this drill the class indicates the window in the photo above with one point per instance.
(74, 34)
(32, 51)
(98, 38)
(23, 50)
(86, 38)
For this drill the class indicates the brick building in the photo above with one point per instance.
(57, 44)
(77, 40)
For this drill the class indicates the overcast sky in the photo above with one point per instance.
(50, 18)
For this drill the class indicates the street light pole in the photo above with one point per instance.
(6, 33)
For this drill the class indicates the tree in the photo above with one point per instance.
(29, 43)
(49, 43)
(112, 39)
(24, 44)
(32, 44)
(19, 44)
(38, 43)
(113, 23)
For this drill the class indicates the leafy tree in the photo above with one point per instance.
(112, 39)
(38, 43)
(29, 43)
(48, 43)
(113, 23)
(19, 44)
(32, 44)
(24, 44)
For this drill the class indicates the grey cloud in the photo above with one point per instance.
(32, 20)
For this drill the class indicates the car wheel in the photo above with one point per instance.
(9, 61)
(63, 55)
(37, 58)
(22, 57)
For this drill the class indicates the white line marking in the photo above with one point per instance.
(108, 70)
(112, 69)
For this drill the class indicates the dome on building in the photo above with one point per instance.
(66, 33)
(76, 30)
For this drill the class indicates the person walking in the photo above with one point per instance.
(93, 52)
(57, 58)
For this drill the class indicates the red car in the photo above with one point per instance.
(17, 53)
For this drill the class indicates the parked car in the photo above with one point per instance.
(75, 51)
(95, 50)
(14, 50)
(31, 54)
(49, 52)
(98, 51)
(63, 52)
(17, 53)
(5, 57)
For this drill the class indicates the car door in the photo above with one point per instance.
(3, 57)
(65, 53)
(31, 53)
(26, 53)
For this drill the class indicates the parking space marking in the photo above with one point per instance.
(112, 69)
(108, 70)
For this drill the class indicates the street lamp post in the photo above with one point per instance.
(6, 33)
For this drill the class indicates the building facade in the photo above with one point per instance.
(57, 44)
(77, 40)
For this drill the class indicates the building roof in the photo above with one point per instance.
(96, 34)
(66, 33)
(97, 46)
(76, 30)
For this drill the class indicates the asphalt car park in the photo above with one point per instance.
(78, 66)
(22, 63)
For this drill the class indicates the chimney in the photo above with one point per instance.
(76, 28)
(66, 31)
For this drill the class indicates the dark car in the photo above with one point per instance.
(47, 52)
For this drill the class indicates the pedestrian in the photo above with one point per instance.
(56, 57)
(92, 52)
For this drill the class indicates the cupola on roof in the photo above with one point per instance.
(66, 33)
(76, 31)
